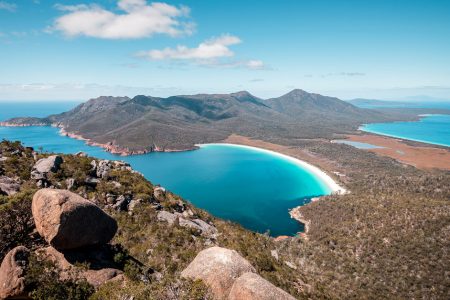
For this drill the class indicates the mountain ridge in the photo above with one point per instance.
(145, 123)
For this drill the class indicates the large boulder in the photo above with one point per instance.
(68, 221)
(253, 286)
(45, 166)
(12, 272)
(218, 268)
(8, 186)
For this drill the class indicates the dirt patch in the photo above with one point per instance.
(422, 157)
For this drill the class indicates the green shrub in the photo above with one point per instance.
(43, 281)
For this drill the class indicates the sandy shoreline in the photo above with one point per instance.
(318, 173)
(298, 156)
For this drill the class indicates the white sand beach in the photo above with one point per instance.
(318, 173)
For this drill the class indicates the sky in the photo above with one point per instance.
(77, 49)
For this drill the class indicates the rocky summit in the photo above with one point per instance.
(68, 221)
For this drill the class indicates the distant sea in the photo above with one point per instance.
(11, 108)
(252, 188)
(386, 104)
(431, 128)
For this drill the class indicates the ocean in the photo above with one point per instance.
(250, 187)
(432, 128)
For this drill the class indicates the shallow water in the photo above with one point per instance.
(432, 129)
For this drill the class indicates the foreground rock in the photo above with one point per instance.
(12, 272)
(46, 165)
(230, 276)
(253, 286)
(218, 268)
(8, 186)
(68, 221)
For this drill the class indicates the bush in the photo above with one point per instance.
(43, 280)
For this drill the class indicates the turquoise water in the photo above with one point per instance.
(432, 129)
(253, 188)
(358, 145)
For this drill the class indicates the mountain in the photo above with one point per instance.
(145, 123)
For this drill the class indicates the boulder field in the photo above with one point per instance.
(76, 230)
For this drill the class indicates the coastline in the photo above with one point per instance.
(115, 149)
(420, 117)
(110, 147)
(318, 173)
(288, 153)
(361, 128)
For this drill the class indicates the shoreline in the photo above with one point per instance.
(402, 137)
(115, 149)
(329, 182)
(321, 175)
(108, 147)
(420, 118)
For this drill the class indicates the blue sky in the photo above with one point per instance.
(82, 49)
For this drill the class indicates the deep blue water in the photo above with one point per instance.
(10, 109)
(253, 188)
(433, 129)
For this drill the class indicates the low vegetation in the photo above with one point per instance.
(388, 238)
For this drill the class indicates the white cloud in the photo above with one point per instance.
(210, 49)
(137, 20)
(255, 64)
(210, 53)
(8, 6)
(349, 74)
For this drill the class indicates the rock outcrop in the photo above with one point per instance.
(68, 221)
(12, 272)
(159, 193)
(253, 286)
(8, 186)
(198, 224)
(230, 276)
(45, 166)
(218, 268)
